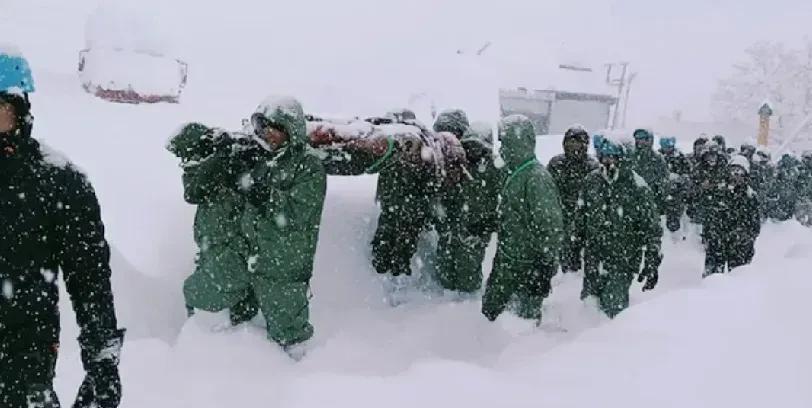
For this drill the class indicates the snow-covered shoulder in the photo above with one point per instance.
(639, 181)
(56, 158)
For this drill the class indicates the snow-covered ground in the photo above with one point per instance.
(729, 341)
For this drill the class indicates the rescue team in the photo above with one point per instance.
(259, 197)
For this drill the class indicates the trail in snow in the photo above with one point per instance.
(737, 340)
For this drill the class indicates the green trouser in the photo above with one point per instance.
(223, 281)
(613, 285)
(459, 260)
(397, 235)
(528, 284)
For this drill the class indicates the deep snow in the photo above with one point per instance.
(737, 340)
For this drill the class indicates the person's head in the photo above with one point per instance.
(747, 150)
(15, 122)
(806, 158)
(280, 122)
(576, 142)
(453, 121)
(611, 155)
(401, 115)
(668, 145)
(699, 144)
(720, 140)
(738, 170)
(8, 118)
(518, 137)
(712, 154)
(478, 142)
(762, 157)
(643, 140)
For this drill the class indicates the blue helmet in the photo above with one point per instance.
(597, 141)
(668, 142)
(610, 148)
(643, 134)
(15, 74)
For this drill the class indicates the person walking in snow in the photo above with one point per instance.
(650, 165)
(51, 221)
(622, 229)
(679, 172)
(709, 173)
(783, 196)
(469, 216)
(733, 221)
(407, 189)
(531, 227)
(569, 170)
(258, 236)
(803, 208)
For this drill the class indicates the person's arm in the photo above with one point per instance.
(296, 199)
(85, 261)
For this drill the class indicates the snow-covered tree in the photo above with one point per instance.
(775, 73)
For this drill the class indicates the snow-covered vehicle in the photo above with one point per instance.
(126, 59)
(119, 75)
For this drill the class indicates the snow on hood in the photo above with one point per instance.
(741, 161)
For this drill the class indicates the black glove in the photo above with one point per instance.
(102, 385)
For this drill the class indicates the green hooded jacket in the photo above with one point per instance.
(530, 226)
(530, 216)
(286, 192)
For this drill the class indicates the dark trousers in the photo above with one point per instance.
(529, 285)
(27, 369)
(395, 240)
(722, 254)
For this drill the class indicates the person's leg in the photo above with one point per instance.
(533, 288)
(285, 305)
(741, 254)
(499, 289)
(244, 310)
(220, 281)
(714, 257)
(614, 294)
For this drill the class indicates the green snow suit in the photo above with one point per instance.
(530, 227)
(623, 227)
(469, 217)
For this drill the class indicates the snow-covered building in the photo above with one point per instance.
(573, 95)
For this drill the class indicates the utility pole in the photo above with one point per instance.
(620, 84)
(626, 99)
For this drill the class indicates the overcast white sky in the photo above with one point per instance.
(679, 48)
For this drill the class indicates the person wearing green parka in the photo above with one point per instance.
(282, 196)
(407, 191)
(622, 229)
(212, 161)
(530, 227)
(469, 216)
(650, 165)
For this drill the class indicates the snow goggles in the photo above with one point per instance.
(260, 124)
